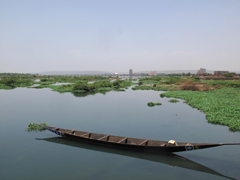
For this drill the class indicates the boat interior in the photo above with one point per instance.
(119, 139)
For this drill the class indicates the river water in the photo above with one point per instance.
(42, 155)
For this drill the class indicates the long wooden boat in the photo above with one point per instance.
(170, 159)
(128, 143)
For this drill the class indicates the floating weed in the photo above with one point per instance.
(173, 100)
(221, 106)
(34, 127)
(162, 95)
(151, 104)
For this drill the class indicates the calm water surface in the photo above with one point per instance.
(42, 155)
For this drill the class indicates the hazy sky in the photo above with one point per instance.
(116, 35)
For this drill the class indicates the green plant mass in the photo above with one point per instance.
(173, 100)
(34, 127)
(157, 88)
(151, 104)
(10, 82)
(162, 95)
(224, 83)
(173, 80)
(222, 106)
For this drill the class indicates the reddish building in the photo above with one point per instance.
(153, 73)
(220, 73)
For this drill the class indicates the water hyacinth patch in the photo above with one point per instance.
(34, 127)
(151, 104)
(173, 100)
(221, 106)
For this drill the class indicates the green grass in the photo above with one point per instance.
(222, 106)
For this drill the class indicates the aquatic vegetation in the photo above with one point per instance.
(162, 95)
(102, 85)
(15, 81)
(82, 85)
(99, 86)
(151, 104)
(34, 127)
(173, 100)
(150, 80)
(224, 83)
(157, 88)
(120, 90)
(174, 80)
(45, 82)
(61, 88)
(4, 86)
(222, 106)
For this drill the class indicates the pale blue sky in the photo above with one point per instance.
(116, 35)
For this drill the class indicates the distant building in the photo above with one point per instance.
(153, 73)
(202, 72)
(130, 72)
(220, 73)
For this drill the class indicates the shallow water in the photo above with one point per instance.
(40, 155)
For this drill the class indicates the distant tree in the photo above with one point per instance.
(9, 81)
(117, 83)
(229, 74)
(197, 78)
(82, 85)
(44, 80)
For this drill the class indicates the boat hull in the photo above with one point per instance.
(123, 143)
(153, 149)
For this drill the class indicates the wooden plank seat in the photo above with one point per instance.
(65, 131)
(70, 132)
(144, 142)
(107, 138)
(115, 139)
(86, 134)
(96, 136)
(124, 139)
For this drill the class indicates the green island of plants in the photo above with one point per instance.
(76, 84)
(35, 127)
(221, 106)
(218, 99)
(151, 104)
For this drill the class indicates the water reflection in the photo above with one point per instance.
(164, 158)
(84, 94)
